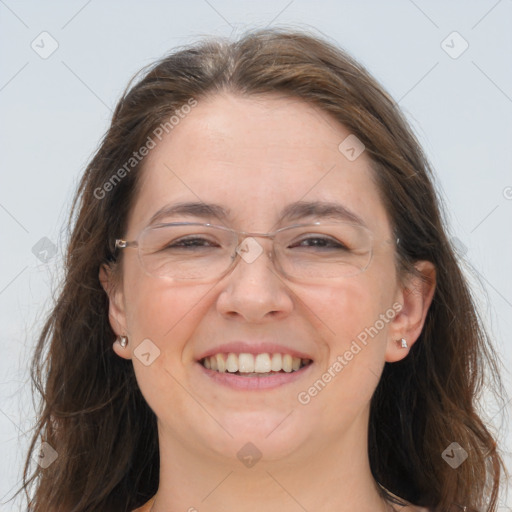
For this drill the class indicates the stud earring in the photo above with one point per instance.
(404, 343)
(123, 341)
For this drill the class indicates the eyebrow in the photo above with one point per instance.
(294, 211)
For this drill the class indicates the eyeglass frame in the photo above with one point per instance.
(121, 243)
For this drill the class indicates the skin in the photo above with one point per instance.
(254, 155)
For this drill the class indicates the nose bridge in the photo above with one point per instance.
(253, 246)
(254, 290)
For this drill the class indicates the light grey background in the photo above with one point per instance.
(54, 111)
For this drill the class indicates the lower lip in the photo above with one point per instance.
(233, 381)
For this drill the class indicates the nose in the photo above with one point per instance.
(254, 290)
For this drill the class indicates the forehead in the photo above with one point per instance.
(254, 156)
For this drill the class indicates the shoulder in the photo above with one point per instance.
(410, 508)
(146, 507)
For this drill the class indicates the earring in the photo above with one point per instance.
(123, 341)
(404, 343)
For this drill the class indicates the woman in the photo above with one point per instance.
(260, 235)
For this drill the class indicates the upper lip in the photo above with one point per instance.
(247, 347)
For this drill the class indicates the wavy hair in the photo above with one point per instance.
(91, 411)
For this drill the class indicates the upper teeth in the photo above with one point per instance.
(249, 363)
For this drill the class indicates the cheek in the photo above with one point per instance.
(353, 316)
(342, 311)
(347, 377)
(167, 316)
(166, 313)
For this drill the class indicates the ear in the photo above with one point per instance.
(415, 299)
(116, 309)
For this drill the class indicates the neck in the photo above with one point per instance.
(322, 476)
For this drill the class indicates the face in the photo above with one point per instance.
(254, 156)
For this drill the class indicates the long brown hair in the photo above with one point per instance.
(92, 412)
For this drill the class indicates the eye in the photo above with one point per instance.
(190, 242)
(321, 242)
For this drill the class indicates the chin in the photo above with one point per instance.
(258, 435)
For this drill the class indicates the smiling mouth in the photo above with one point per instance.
(250, 365)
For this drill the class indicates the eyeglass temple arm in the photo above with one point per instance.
(123, 244)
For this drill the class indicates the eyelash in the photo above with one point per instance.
(329, 240)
